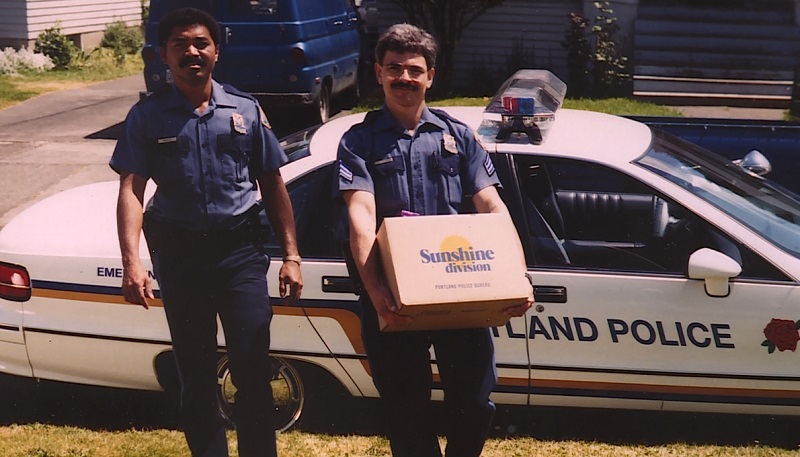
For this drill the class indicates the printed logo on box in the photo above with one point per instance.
(457, 255)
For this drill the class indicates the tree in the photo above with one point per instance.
(447, 20)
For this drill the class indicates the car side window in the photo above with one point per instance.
(254, 7)
(317, 216)
(587, 216)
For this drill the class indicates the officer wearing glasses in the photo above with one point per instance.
(210, 150)
(408, 159)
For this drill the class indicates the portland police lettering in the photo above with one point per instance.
(619, 331)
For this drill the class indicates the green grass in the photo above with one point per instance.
(97, 66)
(52, 441)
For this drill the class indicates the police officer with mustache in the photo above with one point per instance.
(409, 159)
(210, 150)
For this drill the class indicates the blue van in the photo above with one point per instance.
(296, 53)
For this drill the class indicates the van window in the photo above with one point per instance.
(257, 7)
(312, 9)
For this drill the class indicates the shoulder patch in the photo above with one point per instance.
(345, 173)
(263, 117)
(488, 165)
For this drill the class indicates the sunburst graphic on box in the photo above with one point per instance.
(456, 244)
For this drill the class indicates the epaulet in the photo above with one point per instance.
(441, 114)
(369, 119)
(234, 91)
(159, 92)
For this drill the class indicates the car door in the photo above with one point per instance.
(328, 309)
(632, 328)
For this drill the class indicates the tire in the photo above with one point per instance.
(352, 95)
(322, 105)
(287, 390)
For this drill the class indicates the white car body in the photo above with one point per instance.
(620, 339)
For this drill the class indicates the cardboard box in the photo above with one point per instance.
(453, 271)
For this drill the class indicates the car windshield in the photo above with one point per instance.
(762, 206)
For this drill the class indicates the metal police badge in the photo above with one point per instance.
(238, 123)
(449, 143)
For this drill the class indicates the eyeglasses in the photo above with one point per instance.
(395, 70)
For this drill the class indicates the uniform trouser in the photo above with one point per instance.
(198, 283)
(401, 369)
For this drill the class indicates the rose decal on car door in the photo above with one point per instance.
(782, 334)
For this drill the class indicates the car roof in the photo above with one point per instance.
(578, 134)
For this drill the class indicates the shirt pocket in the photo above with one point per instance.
(170, 161)
(388, 176)
(447, 176)
(234, 151)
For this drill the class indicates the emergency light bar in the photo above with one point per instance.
(526, 103)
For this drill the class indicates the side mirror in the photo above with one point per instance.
(755, 162)
(715, 268)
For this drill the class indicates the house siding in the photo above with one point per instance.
(529, 32)
(21, 21)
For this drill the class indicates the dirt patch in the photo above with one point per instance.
(49, 86)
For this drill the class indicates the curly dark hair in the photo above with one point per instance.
(185, 17)
(402, 38)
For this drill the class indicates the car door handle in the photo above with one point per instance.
(550, 294)
(337, 284)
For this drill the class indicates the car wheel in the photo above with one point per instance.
(287, 391)
(322, 107)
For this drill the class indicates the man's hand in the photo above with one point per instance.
(137, 287)
(290, 281)
(384, 304)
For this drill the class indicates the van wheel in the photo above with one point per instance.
(287, 390)
(322, 107)
(353, 94)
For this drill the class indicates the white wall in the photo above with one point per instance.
(537, 26)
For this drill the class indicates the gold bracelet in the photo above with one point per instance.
(293, 258)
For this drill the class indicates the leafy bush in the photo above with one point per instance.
(597, 66)
(122, 39)
(12, 62)
(54, 44)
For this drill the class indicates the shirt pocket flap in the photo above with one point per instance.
(450, 164)
(235, 145)
(389, 165)
(172, 146)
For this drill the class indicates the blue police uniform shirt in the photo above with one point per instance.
(432, 172)
(204, 164)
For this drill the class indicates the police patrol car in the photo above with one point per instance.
(665, 277)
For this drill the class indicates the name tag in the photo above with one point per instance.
(171, 139)
(383, 161)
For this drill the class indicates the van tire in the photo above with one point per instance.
(352, 95)
(322, 105)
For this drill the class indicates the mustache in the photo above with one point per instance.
(189, 60)
(402, 85)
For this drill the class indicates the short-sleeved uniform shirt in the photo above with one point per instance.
(431, 172)
(204, 164)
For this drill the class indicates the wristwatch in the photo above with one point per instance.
(293, 258)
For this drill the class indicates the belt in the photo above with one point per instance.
(247, 227)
